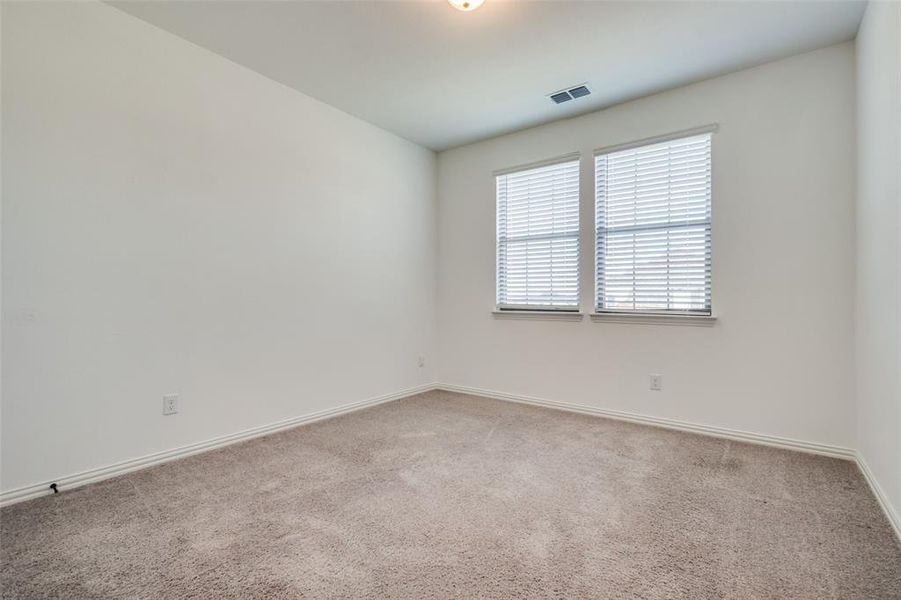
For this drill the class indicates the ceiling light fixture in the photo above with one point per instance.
(466, 5)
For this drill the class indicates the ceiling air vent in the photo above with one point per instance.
(569, 94)
(578, 92)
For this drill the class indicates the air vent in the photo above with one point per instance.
(578, 92)
(562, 96)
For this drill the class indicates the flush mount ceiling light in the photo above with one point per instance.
(466, 5)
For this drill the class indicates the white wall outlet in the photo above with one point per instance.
(421, 361)
(170, 404)
(656, 382)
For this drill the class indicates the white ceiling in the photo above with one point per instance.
(443, 78)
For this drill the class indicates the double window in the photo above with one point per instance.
(652, 231)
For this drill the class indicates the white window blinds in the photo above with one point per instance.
(538, 238)
(653, 227)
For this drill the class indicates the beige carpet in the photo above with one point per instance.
(450, 496)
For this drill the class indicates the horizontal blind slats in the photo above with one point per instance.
(653, 208)
(538, 236)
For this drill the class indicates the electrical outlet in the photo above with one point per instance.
(421, 361)
(170, 404)
(656, 382)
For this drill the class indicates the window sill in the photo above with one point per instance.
(539, 315)
(654, 319)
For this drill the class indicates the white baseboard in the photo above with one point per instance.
(711, 430)
(881, 497)
(93, 475)
(720, 432)
(74, 480)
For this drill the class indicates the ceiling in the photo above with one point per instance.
(443, 78)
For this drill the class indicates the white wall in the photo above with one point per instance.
(879, 245)
(173, 222)
(780, 359)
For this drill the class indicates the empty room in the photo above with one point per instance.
(418, 299)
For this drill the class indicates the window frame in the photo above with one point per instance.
(655, 315)
(536, 309)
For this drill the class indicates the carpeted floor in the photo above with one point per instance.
(450, 496)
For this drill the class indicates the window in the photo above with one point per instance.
(653, 227)
(538, 237)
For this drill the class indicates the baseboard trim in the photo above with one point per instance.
(721, 432)
(710, 430)
(94, 475)
(75, 480)
(889, 510)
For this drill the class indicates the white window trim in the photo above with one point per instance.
(565, 313)
(647, 318)
(539, 163)
(650, 317)
(538, 315)
(659, 139)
